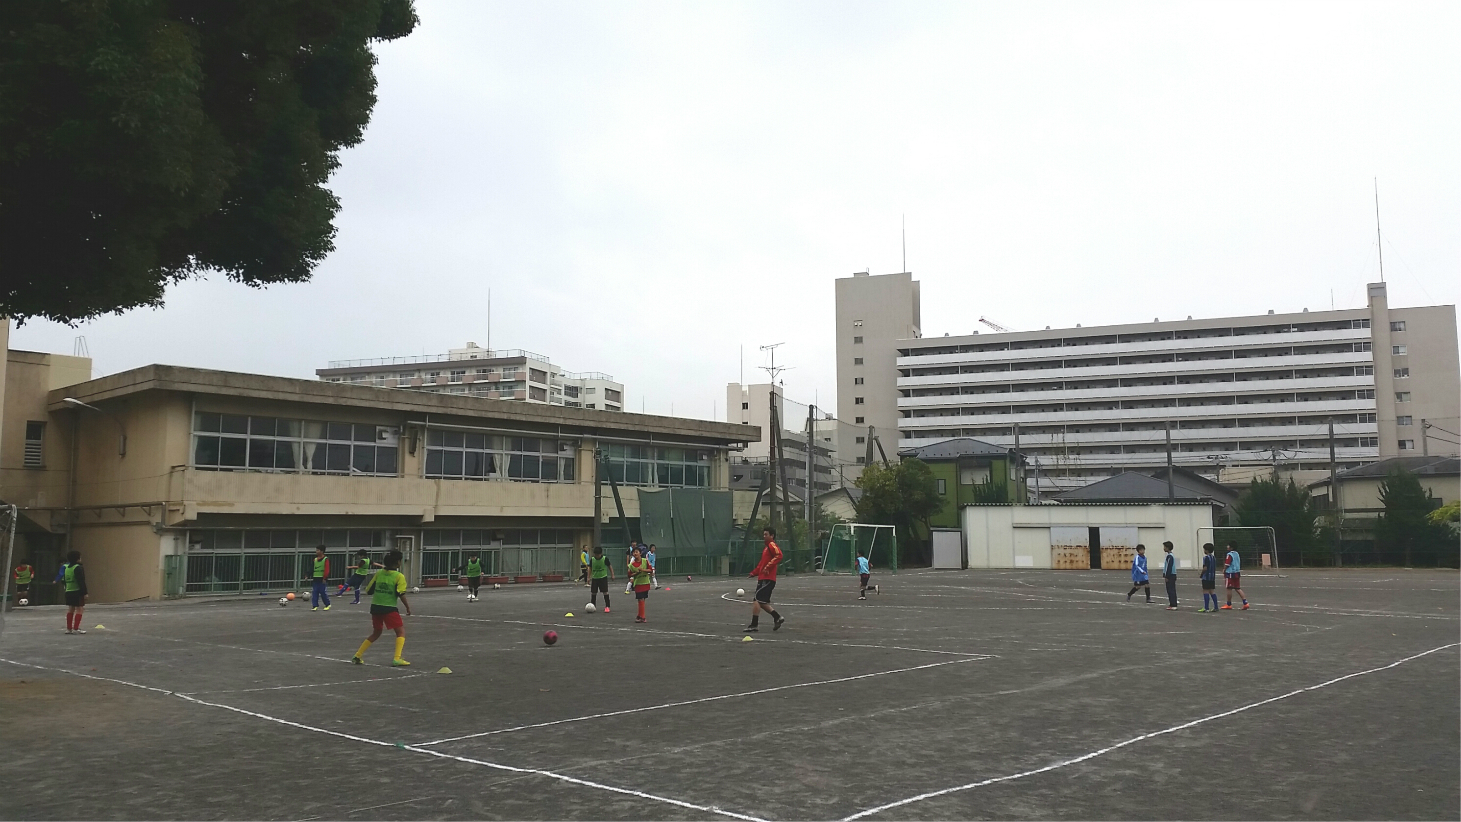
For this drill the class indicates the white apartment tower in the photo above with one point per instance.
(876, 315)
(481, 372)
(1240, 395)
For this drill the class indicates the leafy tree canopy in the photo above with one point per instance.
(146, 141)
(904, 494)
(1406, 525)
(1287, 509)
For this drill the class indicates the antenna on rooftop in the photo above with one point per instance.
(773, 369)
(1378, 247)
(905, 243)
(79, 348)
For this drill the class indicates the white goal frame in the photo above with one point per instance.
(1213, 529)
(850, 528)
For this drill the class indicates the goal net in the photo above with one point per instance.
(1253, 545)
(879, 543)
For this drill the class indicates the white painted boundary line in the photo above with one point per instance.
(721, 637)
(700, 701)
(311, 685)
(414, 749)
(1103, 751)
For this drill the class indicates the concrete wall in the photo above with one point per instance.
(1018, 536)
(881, 310)
(1435, 377)
(1361, 496)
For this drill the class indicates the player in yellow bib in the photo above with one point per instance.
(386, 589)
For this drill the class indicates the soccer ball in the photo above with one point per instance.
(416, 590)
(740, 592)
(25, 602)
(496, 585)
(550, 637)
(689, 578)
(283, 601)
(461, 588)
(590, 607)
(289, 596)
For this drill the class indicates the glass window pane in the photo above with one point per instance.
(514, 466)
(339, 431)
(228, 541)
(261, 453)
(492, 464)
(205, 451)
(288, 428)
(530, 466)
(472, 537)
(234, 424)
(677, 474)
(530, 536)
(339, 458)
(364, 433)
(336, 539)
(312, 430)
(232, 451)
(452, 439)
(433, 462)
(472, 464)
(477, 441)
(662, 474)
(451, 537)
(430, 538)
(256, 540)
(616, 472)
(361, 539)
(284, 454)
(550, 469)
(203, 421)
(451, 463)
(364, 459)
(385, 459)
(263, 425)
(435, 437)
(567, 469)
(309, 539)
(281, 539)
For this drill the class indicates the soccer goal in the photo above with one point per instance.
(1253, 544)
(879, 543)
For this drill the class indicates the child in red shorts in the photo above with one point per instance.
(386, 589)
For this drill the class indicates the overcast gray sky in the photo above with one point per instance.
(647, 187)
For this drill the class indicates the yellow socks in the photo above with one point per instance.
(400, 643)
(360, 654)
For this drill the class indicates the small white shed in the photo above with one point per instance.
(1103, 535)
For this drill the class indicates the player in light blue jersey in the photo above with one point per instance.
(863, 572)
(1139, 578)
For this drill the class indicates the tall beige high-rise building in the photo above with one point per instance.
(873, 314)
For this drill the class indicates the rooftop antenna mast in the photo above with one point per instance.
(773, 369)
(489, 322)
(1378, 246)
(905, 243)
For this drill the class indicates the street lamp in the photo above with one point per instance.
(122, 439)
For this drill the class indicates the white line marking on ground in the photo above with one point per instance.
(1103, 751)
(721, 637)
(311, 685)
(699, 701)
(414, 749)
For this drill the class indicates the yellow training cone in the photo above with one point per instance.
(444, 671)
(747, 639)
(101, 627)
(568, 615)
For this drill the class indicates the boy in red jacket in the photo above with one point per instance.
(765, 574)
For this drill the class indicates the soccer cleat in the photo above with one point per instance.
(78, 631)
(327, 607)
(750, 629)
(357, 660)
(399, 663)
(68, 630)
(779, 622)
(1202, 610)
(640, 619)
(316, 608)
(864, 596)
(1171, 607)
(606, 609)
(1245, 606)
(1227, 608)
(877, 589)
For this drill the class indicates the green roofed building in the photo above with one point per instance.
(970, 471)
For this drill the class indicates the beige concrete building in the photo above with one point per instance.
(873, 314)
(177, 480)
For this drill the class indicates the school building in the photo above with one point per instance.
(174, 481)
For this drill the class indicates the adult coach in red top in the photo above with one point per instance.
(765, 575)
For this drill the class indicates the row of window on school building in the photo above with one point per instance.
(233, 442)
(253, 561)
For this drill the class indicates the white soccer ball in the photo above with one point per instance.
(416, 590)
(283, 601)
(590, 607)
(496, 585)
(25, 602)
(461, 587)
(740, 592)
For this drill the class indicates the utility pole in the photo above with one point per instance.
(1015, 463)
(1425, 439)
(598, 502)
(1171, 492)
(785, 487)
(811, 466)
(1334, 497)
(774, 424)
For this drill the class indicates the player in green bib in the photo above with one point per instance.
(23, 576)
(387, 588)
(473, 573)
(73, 577)
(320, 579)
(599, 573)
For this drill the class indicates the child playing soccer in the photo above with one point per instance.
(1139, 578)
(1209, 578)
(23, 576)
(765, 574)
(321, 588)
(74, 578)
(640, 574)
(863, 572)
(1233, 577)
(1169, 575)
(359, 573)
(583, 566)
(386, 589)
(474, 576)
(653, 574)
(600, 572)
